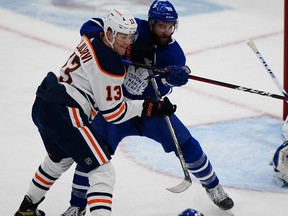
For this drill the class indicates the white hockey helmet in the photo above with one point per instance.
(120, 21)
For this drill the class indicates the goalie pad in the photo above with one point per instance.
(280, 178)
(280, 164)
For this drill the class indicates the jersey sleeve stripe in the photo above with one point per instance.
(118, 120)
(116, 114)
(97, 62)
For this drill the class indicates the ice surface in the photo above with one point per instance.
(239, 131)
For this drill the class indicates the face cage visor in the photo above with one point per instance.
(122, 37)
(125, 37)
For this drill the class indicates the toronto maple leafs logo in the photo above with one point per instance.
(136, 80)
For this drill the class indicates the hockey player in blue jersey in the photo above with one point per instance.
(154, 46)
(90, 82)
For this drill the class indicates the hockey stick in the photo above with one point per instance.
(252, 45)
(214, 82)
(187, 179)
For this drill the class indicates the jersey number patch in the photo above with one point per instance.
(115, 94)
(73, 63)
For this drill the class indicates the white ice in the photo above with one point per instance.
(215, 45)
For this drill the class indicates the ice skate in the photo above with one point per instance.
(74, 211)
(220, 197)
(27, 208)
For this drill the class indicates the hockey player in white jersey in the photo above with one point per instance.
(90, 81)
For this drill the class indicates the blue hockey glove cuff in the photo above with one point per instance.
(178, 75)
(158, 108)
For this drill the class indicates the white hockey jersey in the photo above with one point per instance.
(93, 76)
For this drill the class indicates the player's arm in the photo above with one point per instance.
(115, 110)
(173, 59)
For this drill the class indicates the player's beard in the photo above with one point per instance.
(162, 40)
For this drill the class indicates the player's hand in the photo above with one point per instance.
(158, 108)
(178, 75)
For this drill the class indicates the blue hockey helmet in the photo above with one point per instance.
(190, 212)
(162, 11)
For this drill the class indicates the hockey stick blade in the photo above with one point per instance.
(181, 187)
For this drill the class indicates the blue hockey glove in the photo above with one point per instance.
(178, 75)
(158, 108)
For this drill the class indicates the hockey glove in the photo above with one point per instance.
(178, 75)
(158, 108)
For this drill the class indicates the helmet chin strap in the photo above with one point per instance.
(112, 42)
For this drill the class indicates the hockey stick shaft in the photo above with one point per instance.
(237, 87)
(210, 81)
(252, 45)
(187, 179)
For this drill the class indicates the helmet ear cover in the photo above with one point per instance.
(109, 34)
